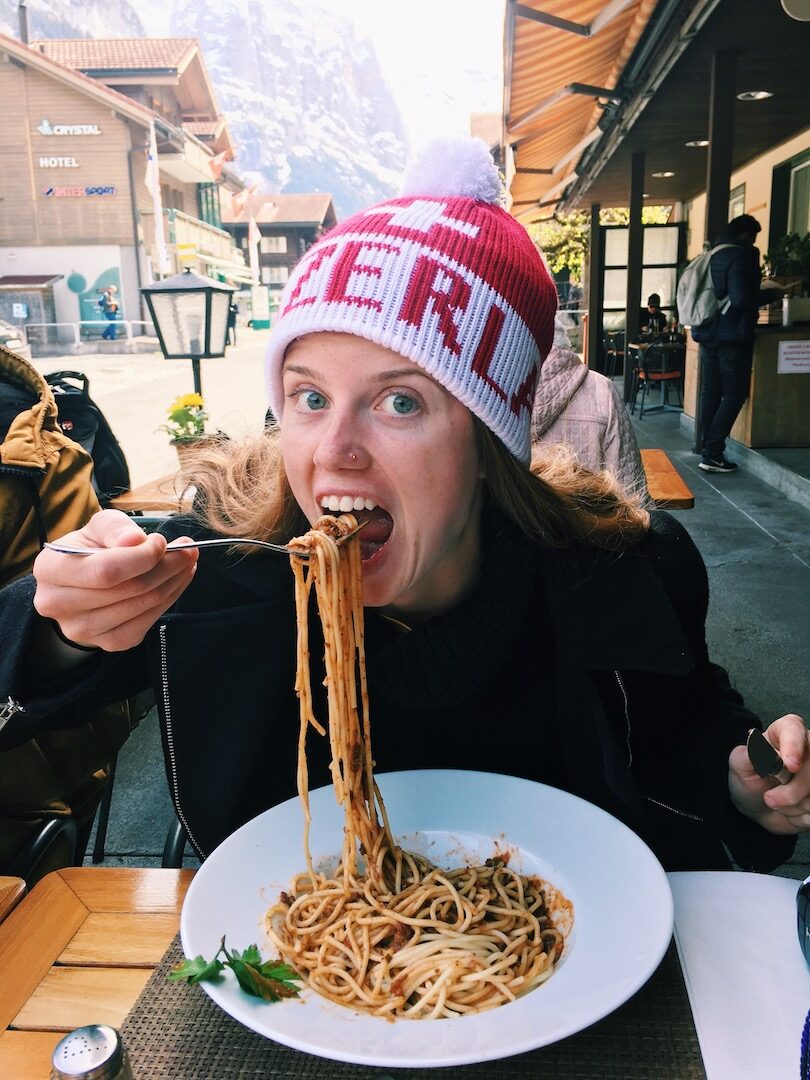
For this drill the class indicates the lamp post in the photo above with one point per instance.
(190, 314)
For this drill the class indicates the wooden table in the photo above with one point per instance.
(163, 494)
(12, 890)
(78, 950)
(666, 487)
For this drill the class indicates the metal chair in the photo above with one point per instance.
(660, 366)
(614, 352)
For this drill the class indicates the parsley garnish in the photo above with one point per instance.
(270, 980)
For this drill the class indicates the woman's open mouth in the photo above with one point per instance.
(377, 522)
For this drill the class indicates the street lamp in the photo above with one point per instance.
(190, 314)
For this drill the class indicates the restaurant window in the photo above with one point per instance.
(662, 251)
(274, 245)
(736, 202)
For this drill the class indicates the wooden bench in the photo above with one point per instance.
(164, 494)
(666, 486)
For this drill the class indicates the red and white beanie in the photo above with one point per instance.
(443, 276)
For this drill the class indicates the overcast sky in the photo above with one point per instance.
(442, 58)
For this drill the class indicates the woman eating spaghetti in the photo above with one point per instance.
(530, 623)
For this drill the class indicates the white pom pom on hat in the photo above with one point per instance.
(441, 275)
(454, 166)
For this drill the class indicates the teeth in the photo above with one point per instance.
(343, 504)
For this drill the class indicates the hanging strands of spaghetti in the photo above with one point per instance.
(398, 937)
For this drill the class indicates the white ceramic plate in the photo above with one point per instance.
(621, 897)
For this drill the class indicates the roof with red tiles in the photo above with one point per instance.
(124, 54)
(287, 209)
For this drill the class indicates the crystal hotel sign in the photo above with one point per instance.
(47, 128)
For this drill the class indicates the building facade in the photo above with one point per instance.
(75, 208)
(288, 224)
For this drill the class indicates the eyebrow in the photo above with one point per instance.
(382, 376)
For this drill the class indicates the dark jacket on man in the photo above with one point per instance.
(736, 275)
(578, 668)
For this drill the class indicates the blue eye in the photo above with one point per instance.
(312, 401)
(400, 404)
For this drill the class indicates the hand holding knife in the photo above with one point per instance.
(764, 759)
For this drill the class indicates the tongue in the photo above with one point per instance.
(377, 526)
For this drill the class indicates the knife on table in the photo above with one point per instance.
(764, 758)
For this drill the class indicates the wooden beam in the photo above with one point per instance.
(596, 288)
(722, 87)
(635, 249)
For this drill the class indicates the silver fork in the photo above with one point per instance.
(284, 549)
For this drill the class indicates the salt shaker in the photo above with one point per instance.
(95, 1052)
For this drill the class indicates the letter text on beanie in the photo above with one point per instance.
(347, 264)
(424, 288)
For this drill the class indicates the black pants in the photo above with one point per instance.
(725, 378)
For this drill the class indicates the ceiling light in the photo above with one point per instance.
(754, 95)
(663, 175)
(697, 142)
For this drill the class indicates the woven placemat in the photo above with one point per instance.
(175, 1032)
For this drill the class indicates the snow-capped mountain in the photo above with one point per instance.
(305, 100)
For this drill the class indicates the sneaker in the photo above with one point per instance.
(720, 464)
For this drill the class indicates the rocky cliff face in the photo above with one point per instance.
(305, 101)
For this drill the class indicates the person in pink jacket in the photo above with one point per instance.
(584, 411)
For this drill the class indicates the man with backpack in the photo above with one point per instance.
(726, 337)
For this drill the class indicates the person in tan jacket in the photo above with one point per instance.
(584, 410)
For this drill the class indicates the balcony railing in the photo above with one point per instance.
(186, 236)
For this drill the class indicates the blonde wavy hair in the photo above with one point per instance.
(243, 491)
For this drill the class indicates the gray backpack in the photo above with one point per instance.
(696, 299)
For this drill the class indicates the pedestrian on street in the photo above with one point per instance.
(108, 303)
(233, 312)
(540, 624)
(727, 342)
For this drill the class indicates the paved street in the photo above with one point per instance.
(755, 542)
(135, 390)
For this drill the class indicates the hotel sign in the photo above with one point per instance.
(47, 128)
(78, 191)
(58, 163)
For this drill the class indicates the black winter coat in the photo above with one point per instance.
(735, 274)
(578, 668)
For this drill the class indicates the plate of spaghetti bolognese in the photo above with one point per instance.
(605, 916)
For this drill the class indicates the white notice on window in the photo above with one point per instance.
(794, 358)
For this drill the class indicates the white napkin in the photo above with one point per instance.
(748, 983)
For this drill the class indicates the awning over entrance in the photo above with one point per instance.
(232, 270)
(656, 56)
(563, 61)
(29, 281)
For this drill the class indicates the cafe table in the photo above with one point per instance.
(87, 945)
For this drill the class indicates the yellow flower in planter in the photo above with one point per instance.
(187, 418)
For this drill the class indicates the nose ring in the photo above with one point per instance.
(353, 457)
